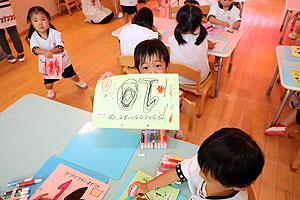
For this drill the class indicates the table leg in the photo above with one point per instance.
(285, 98)
(272, 82)
(286, 24)
(230, 63)
(116, 9)
(283, 20)
(218, 78)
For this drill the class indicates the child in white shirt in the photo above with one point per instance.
(46, 41)
(140, 29)
(189, 45)
(128, 8)
(226, 165)
(224, 13)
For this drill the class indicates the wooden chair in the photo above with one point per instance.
(205, 10)
(92, 95)
(173, 11)
(188, 109)
(297, 42)
(68, 4)
(126, 64)
(200, 89)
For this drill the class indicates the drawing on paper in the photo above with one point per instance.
(162, 193)
(53, 67)
(137, 101)
(65, 183)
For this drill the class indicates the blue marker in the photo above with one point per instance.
(16, 182)
(149, 140)
(134, 188)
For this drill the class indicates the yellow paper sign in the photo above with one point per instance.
(137, 101)
(296, 51)
(296, 75)
(163, 193)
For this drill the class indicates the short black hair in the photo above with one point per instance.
(144, 17)
(149, 48)
(191, 2)
(231, 157)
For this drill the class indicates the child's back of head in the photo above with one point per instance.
(189, 20)
(191, 2)
(144, 17)
(231, 157)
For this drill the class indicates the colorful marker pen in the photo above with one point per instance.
(145, 140)
(162, 139)
(158, 143)
(165, 139)
(155, 138)
(29, 182)
(142, 140)
(149, 140)
(133, 189)
(152, 139)
(16, 182)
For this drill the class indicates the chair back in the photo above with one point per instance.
(205, 10)
(92, 95)
(126, 64)
(173, 11)
(186, 71)
(188, 109)
(297, 42)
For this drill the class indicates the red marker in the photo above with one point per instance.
(29, 182)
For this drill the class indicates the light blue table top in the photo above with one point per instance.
(35, 128)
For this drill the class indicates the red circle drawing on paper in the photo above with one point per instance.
(106, 84)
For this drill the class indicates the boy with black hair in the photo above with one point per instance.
(226, 165)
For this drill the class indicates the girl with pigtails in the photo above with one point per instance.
(189, 45)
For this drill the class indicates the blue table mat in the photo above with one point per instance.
(288, 54)
(51, 164)
(102, 151)
(287, 76)
(222, 49)
(130, 177)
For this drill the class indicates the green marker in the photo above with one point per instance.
(155, 139)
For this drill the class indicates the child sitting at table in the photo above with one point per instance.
(151, 57)
(225, 14)
(189, 44)
(227, 164)
(140, 29)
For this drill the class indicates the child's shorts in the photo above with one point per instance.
(129, 9)
(68, 72)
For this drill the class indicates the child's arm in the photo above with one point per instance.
(154, 29)
(164, 179)
(236, 24)
(105, 75)
(214, 20)
(210, 45)
(48, 53)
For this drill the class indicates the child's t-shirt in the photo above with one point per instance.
(190, 54)
(128, 2)
(231, 15)
(53, 41)
(189, 170)
(132, 35)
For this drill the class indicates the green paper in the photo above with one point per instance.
(137, 101)
(162, 193)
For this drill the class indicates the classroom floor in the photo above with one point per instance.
(242, 100)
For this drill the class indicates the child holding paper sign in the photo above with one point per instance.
(45, 41)
(226, 166)
(151, 57)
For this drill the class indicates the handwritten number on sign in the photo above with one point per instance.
(149, 102)
(63, 187)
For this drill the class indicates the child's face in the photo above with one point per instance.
(153, 65)
(226, 3)
(40, 22)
